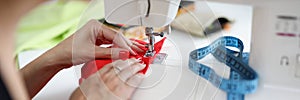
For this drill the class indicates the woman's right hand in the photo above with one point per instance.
(117, 80)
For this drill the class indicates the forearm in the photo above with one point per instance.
(37, 73)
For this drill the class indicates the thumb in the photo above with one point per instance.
(113, 53)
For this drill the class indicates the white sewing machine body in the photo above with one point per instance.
(134, 12)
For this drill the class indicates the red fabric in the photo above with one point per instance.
(93, 66)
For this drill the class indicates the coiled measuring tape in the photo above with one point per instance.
(242, 80)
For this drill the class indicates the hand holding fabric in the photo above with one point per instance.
(84, 45)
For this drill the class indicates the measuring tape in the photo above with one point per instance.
(242, 80)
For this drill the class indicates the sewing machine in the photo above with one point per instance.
(149, 13)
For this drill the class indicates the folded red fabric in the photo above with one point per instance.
(93, 66)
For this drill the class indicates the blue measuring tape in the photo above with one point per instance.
(242, 80)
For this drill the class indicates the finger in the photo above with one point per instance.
(130, 71)
(138, 44)
(105, 69)
(118, 66)
(135, 80)
(134, 45)
(112, 35)
(101, 52)
(131, 85)
(121, 42)
(102, 33)
(136, 48)
(107, 33)
(101, 39)
(113, 82)
(111, 76)
(127, 40)
(131, 51)
(113, 53)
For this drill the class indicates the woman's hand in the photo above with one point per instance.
(115, 81)
(83, 46)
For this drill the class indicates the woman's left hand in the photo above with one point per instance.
(83, 45)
